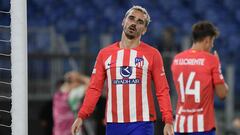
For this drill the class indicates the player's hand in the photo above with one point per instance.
(76, 126)
(168, 129)
(216, 54)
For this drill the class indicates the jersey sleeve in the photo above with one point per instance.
(217, 72)
(162, 88)
(95, 88)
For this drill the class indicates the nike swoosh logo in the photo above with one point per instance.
(109, 64)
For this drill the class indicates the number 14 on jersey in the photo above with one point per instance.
(187, 90)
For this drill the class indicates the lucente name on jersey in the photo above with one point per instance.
(189, 61)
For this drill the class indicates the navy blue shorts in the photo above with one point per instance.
(133, 128)
(211, 132)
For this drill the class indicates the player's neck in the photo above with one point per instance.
(129, 43)
(198, 46)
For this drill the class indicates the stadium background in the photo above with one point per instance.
(66, 35)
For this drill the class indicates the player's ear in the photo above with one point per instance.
(144, 31)
(206, 40)
(209, 39)
(123, 21)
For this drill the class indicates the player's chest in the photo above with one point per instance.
(127, 63)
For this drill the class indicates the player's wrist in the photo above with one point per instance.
(168, 122)
(81, 116)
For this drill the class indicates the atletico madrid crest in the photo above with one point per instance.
(139, 62)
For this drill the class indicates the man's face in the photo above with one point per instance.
(134, 24)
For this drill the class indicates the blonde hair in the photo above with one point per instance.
(141, 9)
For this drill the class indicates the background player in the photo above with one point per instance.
(196, 73)
(63, 112)
(129, 67)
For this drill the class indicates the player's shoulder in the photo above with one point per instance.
(149, 48)
(191, 52)
(209, 56)
(182, 54)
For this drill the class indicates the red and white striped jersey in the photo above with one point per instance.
(195, 73)
(128, 73)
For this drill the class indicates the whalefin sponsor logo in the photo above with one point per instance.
(126, 71)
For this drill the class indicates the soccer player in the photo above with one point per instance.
(197, 76)
(129, 66)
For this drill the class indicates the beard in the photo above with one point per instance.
(131, 32)
(129, 36)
